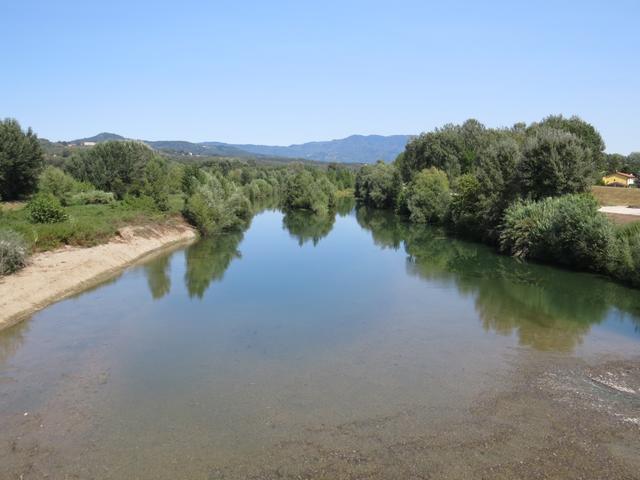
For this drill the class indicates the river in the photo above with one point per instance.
(351, 346)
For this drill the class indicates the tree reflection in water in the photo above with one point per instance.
(307, 226)
(208, 260)
(158, 275)
(547, 308)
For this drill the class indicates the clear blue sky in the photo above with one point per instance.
(279, 72)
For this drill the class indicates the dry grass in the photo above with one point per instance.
(617, 196)
(11, 205)
(622, 219)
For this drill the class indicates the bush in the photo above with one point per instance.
(142, 202)
(92, 197)
(211, 213)
(428, 197)
(57, 183)
(627, 263)
(13, 251)
(566, 230)
(45, 208)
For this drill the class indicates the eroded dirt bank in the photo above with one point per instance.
(53, 275)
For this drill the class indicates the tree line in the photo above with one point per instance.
(215, 195)
(524, 189)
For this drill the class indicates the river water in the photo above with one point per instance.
(354, 346)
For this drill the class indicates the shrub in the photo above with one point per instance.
(57, 183)
(627, 260)
(92, 197)
(428, 197)
(142, 202)
(566, 230)
(198, 212)
(211, 213)
(45, 208)
(13, 251)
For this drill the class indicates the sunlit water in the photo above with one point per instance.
(257, 352)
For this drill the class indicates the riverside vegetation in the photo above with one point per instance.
(86, 198)
(523, 189)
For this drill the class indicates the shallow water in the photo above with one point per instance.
(308, 347)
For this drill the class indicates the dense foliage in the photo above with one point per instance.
(45, 208)
(566, 230)
(378, 185)
(308, 190)
(428, 196)
(21, 160)
(521, 188)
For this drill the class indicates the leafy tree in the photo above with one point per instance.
(554, 163)
(21, 160)
(156, 182)
(613, 162)
(632, 164)
(480, 200)
(378, 185)
(585, 132)
(114, 166)
(61, 185)
(453, 149)
(428, 196)
(191, 178)
(303, 191)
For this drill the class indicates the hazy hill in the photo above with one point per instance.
(101, 137)
(356, 148)
(353, 149)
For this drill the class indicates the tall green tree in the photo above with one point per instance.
(21, 160)
(554, 162)
(378, 185)
(114, 166)
(428, 197)
(584, 131)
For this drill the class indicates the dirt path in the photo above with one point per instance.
(53, 275)
(621, 210)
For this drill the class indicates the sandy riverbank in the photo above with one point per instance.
(51, 276)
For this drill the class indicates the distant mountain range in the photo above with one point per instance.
(353, 149)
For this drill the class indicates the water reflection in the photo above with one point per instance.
(547, 308)
(208, 260)
(344, 205)
(307, 226)
(158, 273)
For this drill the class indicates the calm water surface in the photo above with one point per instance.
(304, 346)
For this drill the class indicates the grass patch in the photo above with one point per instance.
(617, 195)
(86, 225)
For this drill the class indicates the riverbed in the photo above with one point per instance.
(348, 346)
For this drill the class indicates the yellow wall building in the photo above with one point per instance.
(619, 179)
